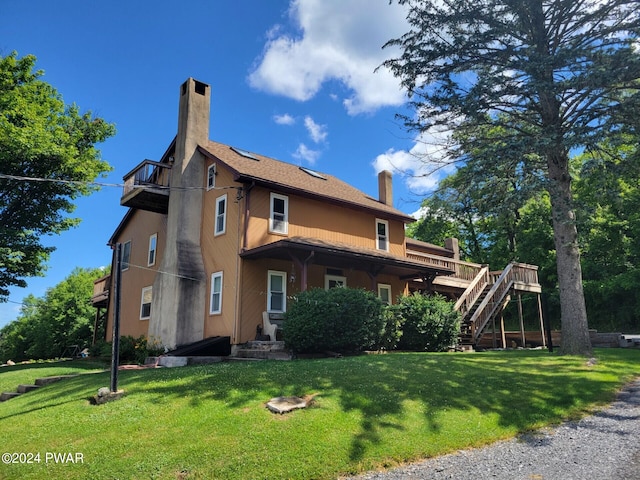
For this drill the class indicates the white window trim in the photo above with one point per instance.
(209, 170)
(218, 311)
(385, 286)
(339, 278)
(142, 303)
(219, 200)
(125, 265)
(285, 230)
(152, 238)
(283, 275)
(386, 237)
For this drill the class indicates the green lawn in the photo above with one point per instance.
(11, 377)
(371, 411)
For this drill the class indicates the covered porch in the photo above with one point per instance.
(336, 257)
(274, 272)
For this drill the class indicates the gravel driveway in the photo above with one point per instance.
(604, 446)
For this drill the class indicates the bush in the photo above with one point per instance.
(132, 350)
(338, 320)
(429, 323)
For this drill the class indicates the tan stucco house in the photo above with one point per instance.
(214, 236)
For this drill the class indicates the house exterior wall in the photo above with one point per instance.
(220, 251)
(315, 219)
(139, 274)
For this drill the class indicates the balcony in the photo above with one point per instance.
(146, 187)
(100, 297)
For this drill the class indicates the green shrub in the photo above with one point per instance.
(429, 323)
(338, 320)
(132, 350)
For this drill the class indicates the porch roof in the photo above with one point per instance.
(340, 255)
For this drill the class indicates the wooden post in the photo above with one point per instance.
(544, 340)
(521, 320)
(504, 338)
(493, 327)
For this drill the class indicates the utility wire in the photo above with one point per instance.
(102, 184)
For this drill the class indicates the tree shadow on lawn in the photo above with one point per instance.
(514, 386)
(520, 389)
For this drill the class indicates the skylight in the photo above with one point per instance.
(313, 173)
(245, 154)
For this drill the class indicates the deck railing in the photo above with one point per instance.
(101, 290)
(462, 270)
(515, 273)
(148, 173)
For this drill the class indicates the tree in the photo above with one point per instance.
(47, 326)
(47, 159)
(567, 69)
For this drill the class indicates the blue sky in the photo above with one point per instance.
(291, 79)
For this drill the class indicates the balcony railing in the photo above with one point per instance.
(147, 187)
(100, 297)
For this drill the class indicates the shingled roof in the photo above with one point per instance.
(249, 167)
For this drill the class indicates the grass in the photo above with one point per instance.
(27, 373)
(372, 411)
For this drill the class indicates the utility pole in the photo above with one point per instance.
(115, 338)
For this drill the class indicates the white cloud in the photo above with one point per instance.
(284, 119)
(336, 41)
(423, 165)
(318, 133)
(304, 153)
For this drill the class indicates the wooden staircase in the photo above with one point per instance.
(488, 295)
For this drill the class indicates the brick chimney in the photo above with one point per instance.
(179, 292)
(385, 188)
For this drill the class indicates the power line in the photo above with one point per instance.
(20, 178)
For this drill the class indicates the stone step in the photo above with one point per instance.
(41, 382)
(27, 388)
(8, 395)
(250, 353)
(262, 345)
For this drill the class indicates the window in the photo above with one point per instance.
(384, 293)
(277, 292)
(145, 303)
(334, 281)
(211, 176)
(221, 215)
(153, 246)
(216, 293)
(126, 255)
(382, 235)
(278, 218)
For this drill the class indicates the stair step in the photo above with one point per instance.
(8, 395)
(41, 382)
(27, 388)
(247, 353)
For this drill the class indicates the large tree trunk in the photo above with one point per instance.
(575, 329)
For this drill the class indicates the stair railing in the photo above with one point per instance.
(472, 292)
(492, 302)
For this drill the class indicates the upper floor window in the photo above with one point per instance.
(211, 176)
(126, 255)
(153, 247)
(279, 214)
(221, 215)
(382, 235)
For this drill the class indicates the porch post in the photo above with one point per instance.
(544, 340)
(521, 320)
(504, 337)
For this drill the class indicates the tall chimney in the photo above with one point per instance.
(179, 292)
(385, 188)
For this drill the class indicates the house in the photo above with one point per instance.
(216, 235)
